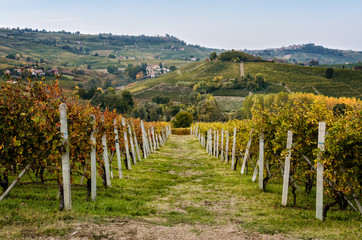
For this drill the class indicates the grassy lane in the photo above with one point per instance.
(178, 192)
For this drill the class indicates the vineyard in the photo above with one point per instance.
(302, 141)
(57, 138)
(58, 151)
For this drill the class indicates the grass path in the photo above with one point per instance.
(241, 69)
(178, 193)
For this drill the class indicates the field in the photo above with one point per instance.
(179, 192)
(345, 83)
(279, 78)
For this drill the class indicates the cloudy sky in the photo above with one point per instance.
(227, 24)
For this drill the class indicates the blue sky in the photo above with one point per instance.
(228, 24)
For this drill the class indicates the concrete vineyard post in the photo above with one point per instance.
(126, 145)
(150, 141)
(227, 146)
(233, 151)
(207, 142)
(134, 160)
(144, 140)
(118, 151)
(217, 144)
(93, 163)
(255, 173)
(106, 159)
(153, 138)
(210, 142)
(287, 169)
(136, 142)
(214, 152)
(65, 157)
(320, 170)
(160, 140)
(247, 153)
(261, 160)
(157, 141)
(222, 145)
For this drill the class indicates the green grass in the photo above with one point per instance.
(179, 184)
(229, 104)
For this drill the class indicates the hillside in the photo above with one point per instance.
(83, 59)
(279, 77)
(80, 50)
(306, 52)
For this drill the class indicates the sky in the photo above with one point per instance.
(223, 24)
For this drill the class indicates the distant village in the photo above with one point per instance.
(35, 72)
(151, 72)
(154, 70)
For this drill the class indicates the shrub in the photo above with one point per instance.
(329, 73)
(181, 131)
(182, 120)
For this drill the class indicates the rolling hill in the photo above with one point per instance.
(93, 53)
(279, 78)
(80, 50)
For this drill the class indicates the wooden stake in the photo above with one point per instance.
(15, 181)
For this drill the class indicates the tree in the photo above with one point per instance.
(112, 69)
(127, 97)
(329, 73)
(11, 56)
(213, 56)
(160, 100)
(182, 120)
(123, 102)
(173, 68)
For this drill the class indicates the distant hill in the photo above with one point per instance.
(80, 50)
(304, 53)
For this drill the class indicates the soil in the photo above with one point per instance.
(130, 229)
